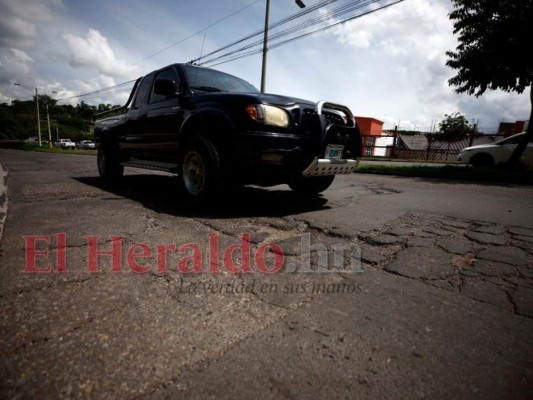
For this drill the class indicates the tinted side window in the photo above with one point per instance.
(169, 74)
(144, 88)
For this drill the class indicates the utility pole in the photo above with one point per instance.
(300, 4)
(38, 117)
(38, 113)
(265, 47)
(49, 131)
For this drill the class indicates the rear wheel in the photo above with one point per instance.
(109, 166)
(312, 185)
(201, 171)
(482, 160)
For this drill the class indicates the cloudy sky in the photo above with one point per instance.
(389, 64)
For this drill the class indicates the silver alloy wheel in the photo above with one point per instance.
(194, 173)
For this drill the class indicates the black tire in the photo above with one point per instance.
(201, 170)
(482, 160)
(312, 185)
(109, 166)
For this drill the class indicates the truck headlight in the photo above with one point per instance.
(268, 115)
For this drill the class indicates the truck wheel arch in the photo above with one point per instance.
(212, 124)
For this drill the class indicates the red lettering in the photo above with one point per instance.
(162, 251)
(61, 252)
(244, 249)
(192, 262)
(32, 253)
(134, 255)
(93, 253)
(213, 252)
(279, 258)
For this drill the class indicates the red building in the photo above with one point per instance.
(371, 129)
(369, 126)
(510, 128)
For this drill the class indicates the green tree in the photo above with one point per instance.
(86, 111)
(454, 127)
(45, 99)
(104, 107)
(494, 40)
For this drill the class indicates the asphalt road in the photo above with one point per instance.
(441, 305)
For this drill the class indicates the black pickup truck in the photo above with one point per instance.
(214, 130)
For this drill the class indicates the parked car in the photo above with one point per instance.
(85, 145)
(495, 153)
(65, 144)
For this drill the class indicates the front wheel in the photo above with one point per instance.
(109, 166)
(201, 170)
(312, 185)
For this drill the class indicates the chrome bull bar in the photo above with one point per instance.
(326, 166)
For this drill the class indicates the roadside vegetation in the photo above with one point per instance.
(453, 172)
(18, 120)
(47, 149)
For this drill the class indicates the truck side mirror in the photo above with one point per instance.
(164, 87)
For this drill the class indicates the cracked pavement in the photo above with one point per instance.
(443, 307)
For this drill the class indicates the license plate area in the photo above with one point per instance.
(334, 151)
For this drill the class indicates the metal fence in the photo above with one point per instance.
(429, 147)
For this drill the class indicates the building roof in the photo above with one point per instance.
(369, 118)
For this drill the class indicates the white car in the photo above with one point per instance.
(495, 153)
(65, 144)
(86, 145)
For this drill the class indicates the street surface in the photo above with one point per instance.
(443, 306)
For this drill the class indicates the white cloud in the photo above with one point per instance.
(65, 93)
(15, 66)
(20, 21)
(16, 32)
(94, 51)
(404, 51)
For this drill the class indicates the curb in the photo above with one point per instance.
(3, 200)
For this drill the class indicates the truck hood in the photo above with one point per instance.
(252, 98)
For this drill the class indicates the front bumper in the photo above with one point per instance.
(326, 166)
(302, 150)
(284, 158)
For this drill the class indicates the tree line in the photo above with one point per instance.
(18, 120)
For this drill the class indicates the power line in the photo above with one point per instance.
(99, 96)
(99, 91)
(247, 50)
(336, 24)
(272, 26)
(333, 13)
(164, 49)
(192, 35)
(301, 27)
(187, 38)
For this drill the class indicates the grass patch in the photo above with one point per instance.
(479, 174)
(46, 149)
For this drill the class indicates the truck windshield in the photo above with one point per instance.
(210, 80)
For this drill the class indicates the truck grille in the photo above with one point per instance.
(337, 114)
(333, 117)
(328, 116)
